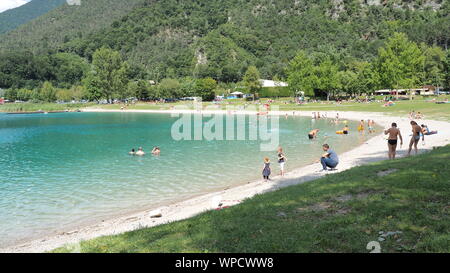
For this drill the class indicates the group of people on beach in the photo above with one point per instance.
(418, 132)
(329, 160)
(413, 115)
(266, 172)
(140, 152)
(370, 126)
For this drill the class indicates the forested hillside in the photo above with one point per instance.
(13, 18)
(164, 40)
(64, 23)
(220, 38)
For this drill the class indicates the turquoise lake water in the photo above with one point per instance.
(59, 171)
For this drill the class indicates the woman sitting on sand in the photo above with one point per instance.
(426, 131)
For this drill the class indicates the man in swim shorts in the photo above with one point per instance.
(417, 131)
(394, 134)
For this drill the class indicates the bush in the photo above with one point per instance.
(275, 92)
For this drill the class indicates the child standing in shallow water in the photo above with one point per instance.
(266, 171)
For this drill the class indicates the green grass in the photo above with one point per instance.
(431, 110)
(32, 107)
(402, 108)
(338, 213)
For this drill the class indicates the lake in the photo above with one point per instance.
(59, 171)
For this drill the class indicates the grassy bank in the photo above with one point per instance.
(430, 109)
(47, 107)
(339, 213)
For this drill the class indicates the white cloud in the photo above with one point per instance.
(10, 4)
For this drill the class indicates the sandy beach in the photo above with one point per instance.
(375, 149)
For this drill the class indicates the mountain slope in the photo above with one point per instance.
(13, 18)
(215, 38)
(64, 23)
(220, 38)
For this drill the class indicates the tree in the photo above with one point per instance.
(301, 75)
(92, 85)
(252, 80)
(69, 68)
(169, 88)
(64, 95)
(205, 89)
(434, 65)
(48, 92)
(447, 71)
(78, 92)
(140, 89)
(327, 75)
(400, 63)
(110, 74)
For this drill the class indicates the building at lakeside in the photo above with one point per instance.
(270, 83)
(426, 90)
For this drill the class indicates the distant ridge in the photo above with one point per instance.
(13, 18)
(66, 22)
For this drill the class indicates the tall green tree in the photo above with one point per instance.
(400, 63)
(328, 79)
(446, 83)
(301, 76)
(434, 65)
(252, 81)
(205, 89)
(110, 74)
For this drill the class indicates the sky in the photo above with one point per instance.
(10, 4)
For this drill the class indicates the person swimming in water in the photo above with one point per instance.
(394, 133)
(344, 131)
(417, 132)
(313, 134)
(132, 152)
(140, 152)
(156, 151)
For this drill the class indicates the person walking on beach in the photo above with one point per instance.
(394, 134)
(281, 160)
(417, 131)
(266, 171)
(329, 159)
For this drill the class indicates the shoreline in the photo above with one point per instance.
(372, 150)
